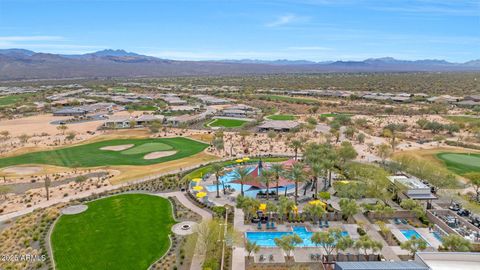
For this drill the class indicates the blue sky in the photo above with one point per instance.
(271, 29)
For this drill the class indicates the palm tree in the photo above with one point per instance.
(217, 169)
(297, 174)
(47, 185)
(296, 145)
(266, 177)
(251, 247)
(243, 174)
(277, 171)
(285, 206)
(316, 170)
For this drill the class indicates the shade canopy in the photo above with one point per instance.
(198, 188)
(201, 194)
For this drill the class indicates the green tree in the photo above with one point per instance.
(384, 151)
(251, 247)
(277, 171)
(346, 152)
(296, 145)
(297, 174)
(314, 211)
(456, 243)
(288, 243)
(324, 239)
(243, 175)
(348, 208)
(414, 245)
(366, 243)
(474, 181)
(217, 169)
(266, 178)
(285, 206)
(360, 138)
(47, 183)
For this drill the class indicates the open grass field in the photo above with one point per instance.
(90, 155)
(227, 123)
(460, 163)
(10, 100)
(120, 232)
(282, 117)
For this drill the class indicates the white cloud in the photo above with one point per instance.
(283, 20)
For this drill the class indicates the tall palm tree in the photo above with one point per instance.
(297, 174)
(217, 169)
(243, 175)
(316, 170)
(277, 170)
(296, 145)
(266, 177)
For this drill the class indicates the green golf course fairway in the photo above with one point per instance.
(228, 123)
(90, 155)
(282, 117)
(461, 163)
(127, 231)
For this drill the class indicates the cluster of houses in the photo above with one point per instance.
(211, 100)
(84, 110)
(467, 101)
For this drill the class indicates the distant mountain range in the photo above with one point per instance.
(17, 64)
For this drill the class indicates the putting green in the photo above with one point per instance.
(228, 123)
(461, 162)
(91, 155)
(127, 231)
(147, 148)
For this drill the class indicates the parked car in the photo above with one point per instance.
(464, 212)
(455, 206)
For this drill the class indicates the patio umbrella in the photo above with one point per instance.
(262, 207)
(197, 180)
(317, 202)
(201, 194)
(246, 159)
(239, 160)
(198, 188)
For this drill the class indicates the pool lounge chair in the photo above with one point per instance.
(259, 225)
(397, 221)
(271, 258)
(320, 224)
(326, 224)
(268, 226)
(404, 221)
(272, 226)
(261, 258)
(312, 257)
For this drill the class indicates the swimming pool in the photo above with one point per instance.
(410, 233)
(266, 239)
(437, 236)
(232, 175)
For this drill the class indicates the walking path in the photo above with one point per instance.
(387, 252)
(197, 259)
(238, 255)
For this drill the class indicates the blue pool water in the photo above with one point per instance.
(437, 236)
(228, 177)
(265, 239)
(410, 233)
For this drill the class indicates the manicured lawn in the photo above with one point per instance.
(142, 107)
(283, 117)
(147, 148)
(10, 100)
(90, 155)
(127, 231)
(228, 123)
(461, 163)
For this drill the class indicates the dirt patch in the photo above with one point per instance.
(22, 170)
(155, 155)
(117, 147)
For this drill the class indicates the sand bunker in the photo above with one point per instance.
(155, 155)
(22, 170)
(74, 209)
(117, 147)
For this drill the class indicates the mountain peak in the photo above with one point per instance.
(111, 52)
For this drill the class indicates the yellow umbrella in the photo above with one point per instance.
(317, 202)
(246, 159)
(201, 194)
(262, 207)
(196, 180)
(198, 188)
(239, 160)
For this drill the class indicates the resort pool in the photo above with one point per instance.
(410, 233)
(232, 175)
(265, 239)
